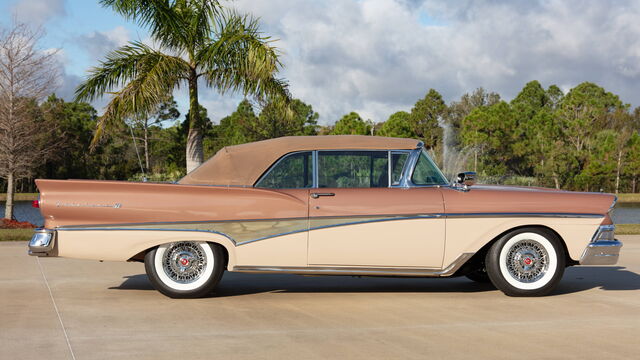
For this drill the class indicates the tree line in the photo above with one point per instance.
(586, 139)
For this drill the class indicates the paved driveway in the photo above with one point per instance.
(63, 309)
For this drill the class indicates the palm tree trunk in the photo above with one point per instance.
(556, 181)
(195, 154)
(146, 144)
(8, 208)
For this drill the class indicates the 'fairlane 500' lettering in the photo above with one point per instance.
(115, 206)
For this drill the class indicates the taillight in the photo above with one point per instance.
(35, 203)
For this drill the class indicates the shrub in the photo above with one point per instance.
(14, 224)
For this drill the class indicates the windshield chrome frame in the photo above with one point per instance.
(411, 166)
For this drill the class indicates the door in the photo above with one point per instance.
(278, 236)
(356, 219)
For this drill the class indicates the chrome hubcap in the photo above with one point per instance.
(184, 262)
(527, 261)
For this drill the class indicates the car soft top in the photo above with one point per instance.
(242, 165)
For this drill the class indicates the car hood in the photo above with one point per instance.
(520, 199)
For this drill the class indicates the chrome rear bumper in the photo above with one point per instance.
(603, 249)
(42, 243)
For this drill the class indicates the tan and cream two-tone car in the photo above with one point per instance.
(327, 205)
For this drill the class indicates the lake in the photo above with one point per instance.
(628, 213)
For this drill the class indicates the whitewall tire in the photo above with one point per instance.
(185, 269)
(526, 262)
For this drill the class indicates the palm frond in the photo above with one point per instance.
(178, 24)
(125, 64)
(142, 79)
(241, 59)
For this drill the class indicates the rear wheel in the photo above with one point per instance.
(185, 269)
(526, 262)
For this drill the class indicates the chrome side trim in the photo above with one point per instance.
(517, 214)
(341, 224)
(359, 271)
(42, 242)
(453, 215)
(84, 226)
(456, 264)
(426, 216)
(247, 235)
(146, 229)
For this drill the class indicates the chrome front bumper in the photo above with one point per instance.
(42, 243)
(603, 249)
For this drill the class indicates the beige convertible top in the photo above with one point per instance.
(242, 165)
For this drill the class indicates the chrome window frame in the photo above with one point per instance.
(405, 178)
(404, 167)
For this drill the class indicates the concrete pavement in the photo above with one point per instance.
(54, 308)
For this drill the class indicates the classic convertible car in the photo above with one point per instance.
(327, 205)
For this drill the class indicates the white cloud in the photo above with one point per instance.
(38, 11)
(380, 56)
(99, 43)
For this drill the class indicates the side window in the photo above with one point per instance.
(353, 169)
(293, 171)
(426, 172)
(397, 164)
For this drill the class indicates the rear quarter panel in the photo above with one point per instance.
(111, 220)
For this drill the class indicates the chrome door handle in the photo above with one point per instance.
(317, 195)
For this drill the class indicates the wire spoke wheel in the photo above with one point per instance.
(185, 269)
(527, 261)
(184, 262)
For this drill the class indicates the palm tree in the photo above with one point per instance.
(195, 41)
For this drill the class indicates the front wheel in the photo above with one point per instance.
(526, 262)
(185, 269)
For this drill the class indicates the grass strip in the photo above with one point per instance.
(20, 197)
(627, 229)
(628, 198)
(15, 234)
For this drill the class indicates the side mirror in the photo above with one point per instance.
(466, 178)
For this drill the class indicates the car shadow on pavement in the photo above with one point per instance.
(235, 284)
(613, 278)
(576, 279)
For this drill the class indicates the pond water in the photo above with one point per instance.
(23, 211)
(628, 213)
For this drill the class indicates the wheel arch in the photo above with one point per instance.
(477, 260)
(139, 257)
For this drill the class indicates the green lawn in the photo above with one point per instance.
(21, 197)
(629, 198)
(15, 234)
(627, 229)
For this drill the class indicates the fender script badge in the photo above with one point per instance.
(114, 206)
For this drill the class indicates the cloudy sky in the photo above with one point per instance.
(379, 56)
